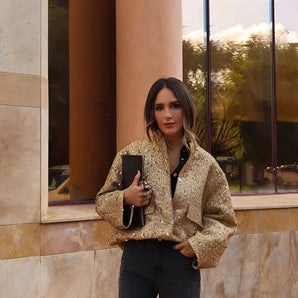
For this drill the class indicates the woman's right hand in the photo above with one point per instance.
(134, 194)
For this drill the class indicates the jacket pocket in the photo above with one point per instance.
(194, 214)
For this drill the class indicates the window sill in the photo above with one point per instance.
(70, 213)
(270, 201)
(249, 202)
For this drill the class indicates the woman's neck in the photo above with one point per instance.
(174, 143)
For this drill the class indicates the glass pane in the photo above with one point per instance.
(58, 101)
(194, 61)
(81, 98)
(241, 93)
(286, 35)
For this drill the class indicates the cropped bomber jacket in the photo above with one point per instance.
(200, 211)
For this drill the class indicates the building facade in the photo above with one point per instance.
(63, 251)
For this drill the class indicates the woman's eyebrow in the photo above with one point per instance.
(172, 102)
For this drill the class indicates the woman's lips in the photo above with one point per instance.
(168, 125)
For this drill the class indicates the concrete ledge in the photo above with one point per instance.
(70, 213)
(270, 201)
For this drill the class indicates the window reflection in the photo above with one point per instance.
(194, 62)
(286, 94)
(241, 93)
(81, 98)
(59, 179)
(58, 100)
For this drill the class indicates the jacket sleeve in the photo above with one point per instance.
(219, 221)
(109, 200)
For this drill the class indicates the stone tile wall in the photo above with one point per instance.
(73, 259)
(87, 274)
(20, 94)
(254, 265)
(19, 164)
(20, 36)
(20, 277)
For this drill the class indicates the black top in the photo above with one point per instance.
(184, 155)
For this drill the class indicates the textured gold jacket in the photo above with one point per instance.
(200, 211)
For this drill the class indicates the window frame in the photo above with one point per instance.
(208, 111)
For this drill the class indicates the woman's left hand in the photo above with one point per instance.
(186, 249)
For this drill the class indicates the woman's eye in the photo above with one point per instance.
(176, 106)
(158, 108)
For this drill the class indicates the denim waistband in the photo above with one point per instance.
(152, 243)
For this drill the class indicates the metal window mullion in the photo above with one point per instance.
(208, 71)
(274, 102)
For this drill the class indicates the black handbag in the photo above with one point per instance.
(132, 216)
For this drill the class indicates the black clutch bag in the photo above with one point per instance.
(132, 216)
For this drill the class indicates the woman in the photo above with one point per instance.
(188, 211)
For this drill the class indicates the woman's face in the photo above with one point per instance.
(168, 113)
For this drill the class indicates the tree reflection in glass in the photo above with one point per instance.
(241, 96)
(287, 94)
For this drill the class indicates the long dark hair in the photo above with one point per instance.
(182, 94)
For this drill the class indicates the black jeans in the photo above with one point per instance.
(149, 267)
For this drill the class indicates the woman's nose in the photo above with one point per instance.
(168, 113)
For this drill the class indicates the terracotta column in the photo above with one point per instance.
(92, 94)
(148, 46)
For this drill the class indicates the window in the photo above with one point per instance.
(81, 98)
(58, 100)
(286, 53)
(241, 65)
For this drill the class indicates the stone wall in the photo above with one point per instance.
(73, 259)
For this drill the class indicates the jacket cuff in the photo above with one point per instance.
(112, 209)
(206, 257)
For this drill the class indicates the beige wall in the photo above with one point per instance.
(38, 260)
(20, 107)
(54, 260)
